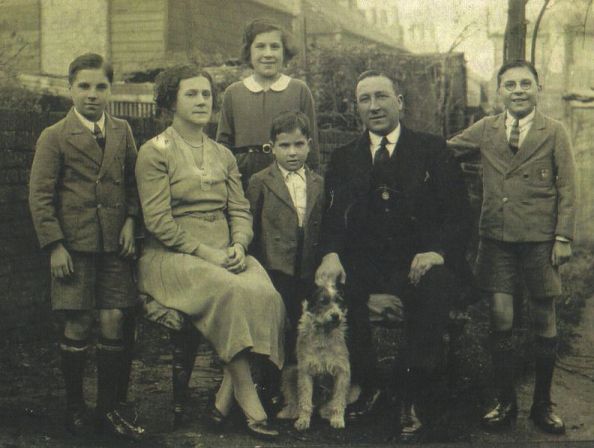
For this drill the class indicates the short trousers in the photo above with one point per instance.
(500, 263)
(100, 281)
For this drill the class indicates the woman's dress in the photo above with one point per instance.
(192, 196)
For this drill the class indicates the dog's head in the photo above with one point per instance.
(325, 307)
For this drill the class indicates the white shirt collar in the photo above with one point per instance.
(509, 119)
(392, 137)
(91, 124)
(278, 86)
(300, 172)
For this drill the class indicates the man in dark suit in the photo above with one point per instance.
(396, 222)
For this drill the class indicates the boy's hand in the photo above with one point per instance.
(330, 270)
(126, 240)
(217, 257)
(561, 252)
(61, 262)
(421, 265)
(236, 254)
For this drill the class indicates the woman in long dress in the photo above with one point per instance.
(199, 227)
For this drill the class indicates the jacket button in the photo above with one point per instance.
(98, 181)
(99, 205)
(505, 200)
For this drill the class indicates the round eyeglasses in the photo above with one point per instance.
(525, 84)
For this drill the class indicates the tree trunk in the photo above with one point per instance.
(515, 32)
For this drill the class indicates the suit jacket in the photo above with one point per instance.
(427, 193)
(276, 223)
(529, 196)
(78, 193)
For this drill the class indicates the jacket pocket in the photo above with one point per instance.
(539, 175)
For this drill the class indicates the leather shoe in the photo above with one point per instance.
(262, 430)
(365, 405)
(76, 421)
(216, 417)
(543, 416)
(501, 416)
(113, 423)
(410, 425)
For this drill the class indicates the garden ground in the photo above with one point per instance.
(31, 397)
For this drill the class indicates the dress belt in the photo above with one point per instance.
(265, 149)
(205, 216)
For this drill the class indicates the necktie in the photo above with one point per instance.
(381, 155)
(99, 136)
(514, 136)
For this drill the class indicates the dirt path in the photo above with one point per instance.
(573, 392)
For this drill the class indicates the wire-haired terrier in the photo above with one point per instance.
(321, 351)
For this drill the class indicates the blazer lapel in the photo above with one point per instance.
(81, 138)
(277, 185)
(361, 161)
(533, 140)
(313, 190)
(500, 156)
(114, 133)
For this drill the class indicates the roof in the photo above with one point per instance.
(332, 17)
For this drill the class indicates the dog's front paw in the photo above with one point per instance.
(302, 423)
(287, 413)
(337, 422)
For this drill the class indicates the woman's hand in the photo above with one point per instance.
(218, 257)
(236, 254)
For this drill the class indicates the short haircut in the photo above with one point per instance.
(167, 84)
(515, 64)
(259, 26)
(376, 73)
(288, 122)
(89, 61)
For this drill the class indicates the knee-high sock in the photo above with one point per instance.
(73, 356)
(545, 357)
(503, 364)
(129, 339)
(110, 360)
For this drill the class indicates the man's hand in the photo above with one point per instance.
(126, 240)
(421, 265)
(61, 262)
(561, 252)
(236, 254)
(330, 270)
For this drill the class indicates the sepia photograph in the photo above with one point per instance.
(296, 223)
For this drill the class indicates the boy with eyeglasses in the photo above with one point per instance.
(527, 224)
